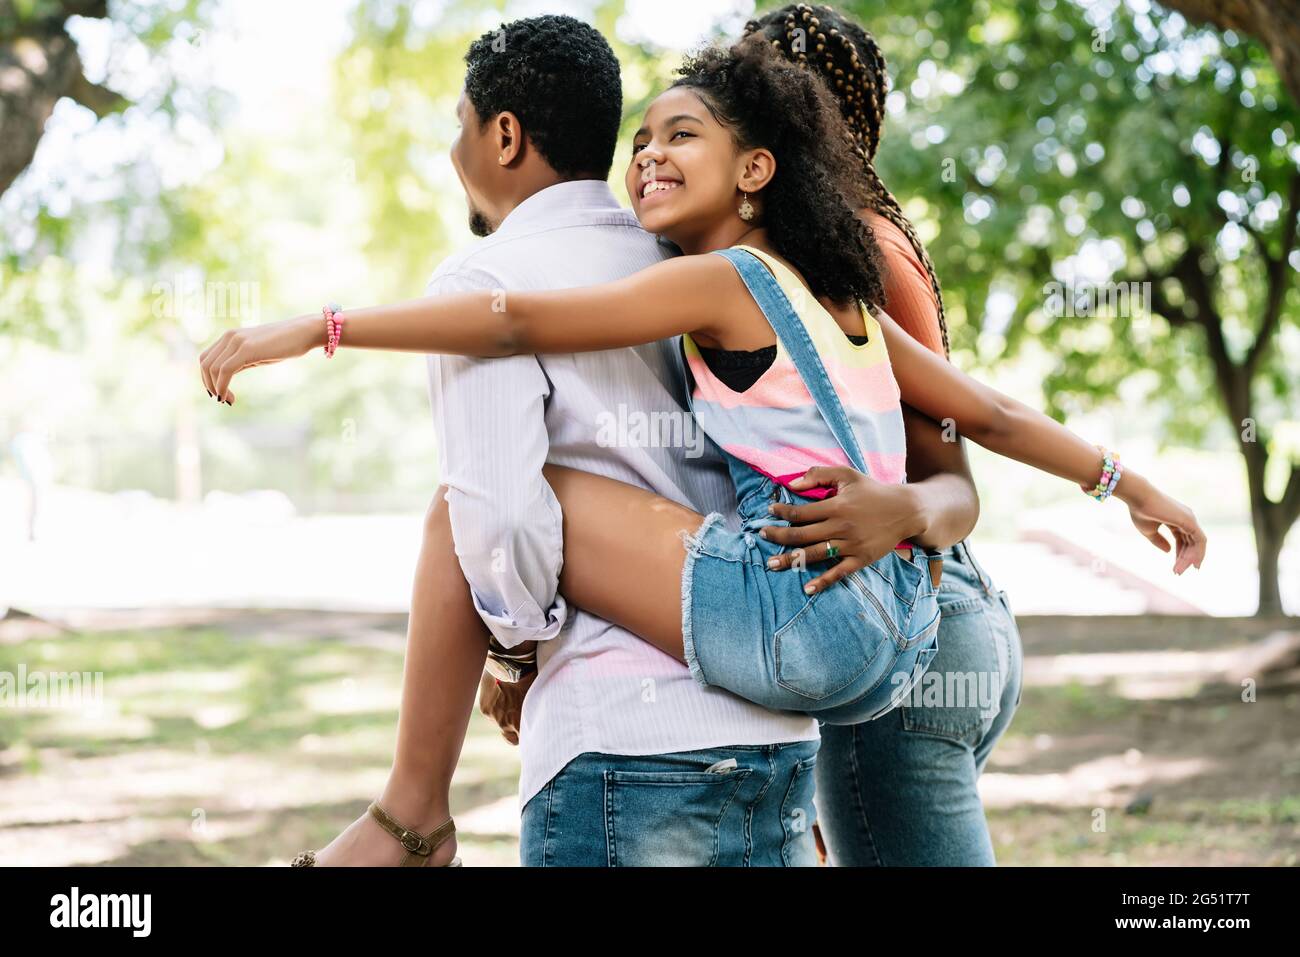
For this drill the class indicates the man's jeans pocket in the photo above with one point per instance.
(667, 819)
(798, 816)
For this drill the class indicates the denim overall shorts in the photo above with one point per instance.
(847, 654)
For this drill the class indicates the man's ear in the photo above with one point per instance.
(509, 135)
(759, 168)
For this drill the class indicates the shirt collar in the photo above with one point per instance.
(563, 199)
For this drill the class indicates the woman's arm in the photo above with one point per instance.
(996, 421)
(938, 472)
(698, 294)
(1010, 428)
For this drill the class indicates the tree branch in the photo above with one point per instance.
(1276, 271)
(98, 99)
(1274, 23)
(1290, 504)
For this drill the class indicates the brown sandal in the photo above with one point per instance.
(419, 847)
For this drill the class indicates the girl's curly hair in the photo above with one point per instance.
(810, 206)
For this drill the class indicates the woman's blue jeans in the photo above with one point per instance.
(901, 790)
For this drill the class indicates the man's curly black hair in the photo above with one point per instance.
(559, 76)
(810, 206)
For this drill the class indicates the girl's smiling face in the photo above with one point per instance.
(685, 169)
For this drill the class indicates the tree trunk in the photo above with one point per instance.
(1274, 23)
(1268, 548)
(38, 66)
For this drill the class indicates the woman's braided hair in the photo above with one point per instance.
(850, 61)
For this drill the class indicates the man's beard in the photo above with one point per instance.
(479, 224)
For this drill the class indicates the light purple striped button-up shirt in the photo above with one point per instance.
(615, 413)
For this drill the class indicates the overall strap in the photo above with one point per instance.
(794, 336)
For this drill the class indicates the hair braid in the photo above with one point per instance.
(853, 66)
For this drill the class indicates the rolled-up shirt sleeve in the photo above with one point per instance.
(493, 442)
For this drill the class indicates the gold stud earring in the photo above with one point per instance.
(746, 209)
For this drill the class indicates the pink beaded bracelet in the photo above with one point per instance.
(333, 327)
(1110, 473)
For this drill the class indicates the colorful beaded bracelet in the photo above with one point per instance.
(1111, 469)
(333, 314)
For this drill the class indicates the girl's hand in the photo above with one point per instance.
(1150, 508)
(503, 702)
(864, 520)
(239, 349)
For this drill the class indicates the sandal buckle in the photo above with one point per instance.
(414, 843)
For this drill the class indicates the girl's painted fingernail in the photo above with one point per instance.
(809, 589)
(762, 533)
(773, 563)
(771, 509)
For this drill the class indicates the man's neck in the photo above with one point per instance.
(528, 185)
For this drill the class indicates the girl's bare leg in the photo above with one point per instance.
(623, 554)
(623, 557)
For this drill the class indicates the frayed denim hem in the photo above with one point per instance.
(694, 544)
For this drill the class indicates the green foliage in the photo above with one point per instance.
(1032, 141)
(48, 215)
(1023, 133)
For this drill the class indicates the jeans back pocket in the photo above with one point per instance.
(668, 819)
(849, 635)
(798, 815)
(962, 693)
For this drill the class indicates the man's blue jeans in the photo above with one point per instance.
(727, 807)
(902, 790)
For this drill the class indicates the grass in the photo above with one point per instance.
(217, 746)
(245, 742)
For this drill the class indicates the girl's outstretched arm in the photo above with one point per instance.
(1010, 428)
(685, 294)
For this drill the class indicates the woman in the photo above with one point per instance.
(719, 168)
(926, 809)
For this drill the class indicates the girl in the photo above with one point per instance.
(744, 156)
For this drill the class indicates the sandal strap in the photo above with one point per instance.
(419, 845)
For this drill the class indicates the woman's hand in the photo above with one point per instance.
(1150, 508)
(864, 520)
(239, 349)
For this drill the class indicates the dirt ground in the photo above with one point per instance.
(239, 737)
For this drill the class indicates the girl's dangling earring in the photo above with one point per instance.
(746, 209)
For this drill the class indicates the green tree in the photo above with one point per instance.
(1047, 147)
(42, 219)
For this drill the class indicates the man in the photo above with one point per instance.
(625, 759)
(695, 775)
